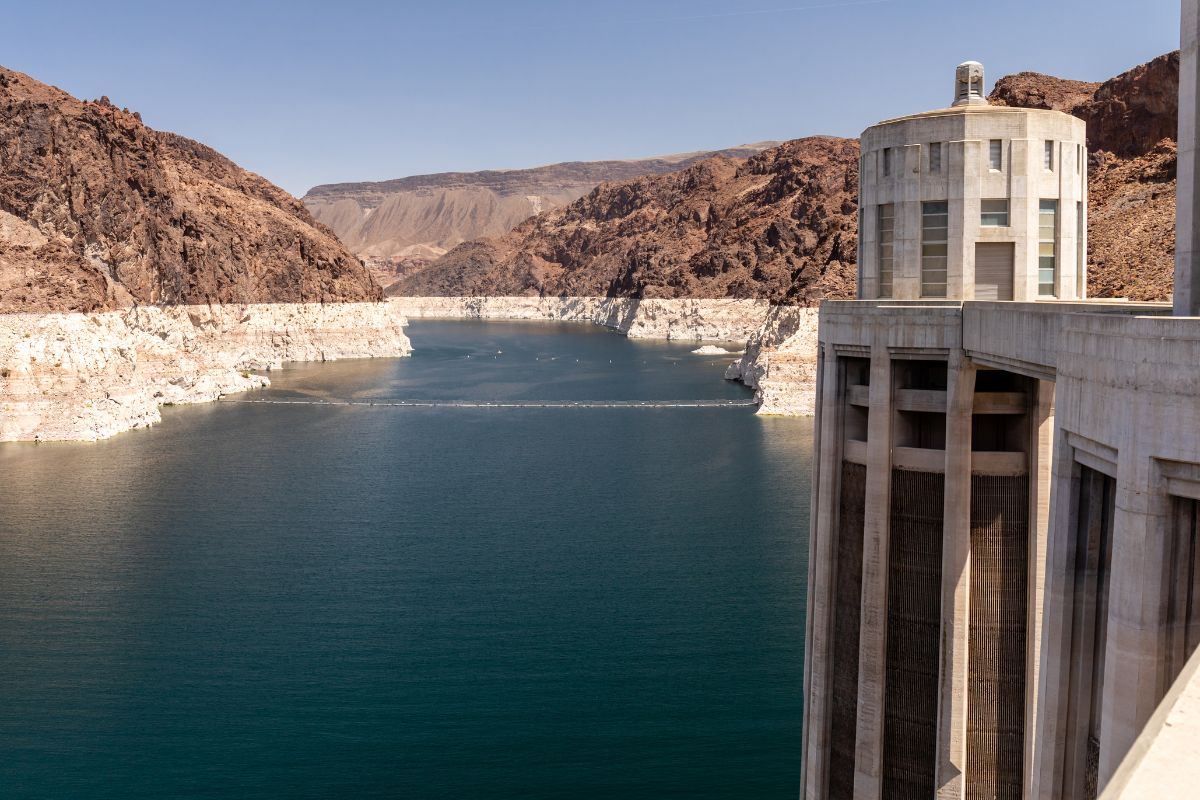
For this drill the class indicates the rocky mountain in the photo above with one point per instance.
(1132, 123)
(400, 225)
(98, 211)
(783, 224)
(779, 225)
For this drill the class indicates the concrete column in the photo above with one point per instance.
(1053, 682)
(1187, 225)
(872, 679)
(1068, 201)
(1041, 478)
(956, 573)
(818, 651)
(1082, 264)
(906, 248)
(1132, 665)
(868, 230)
(970, 190)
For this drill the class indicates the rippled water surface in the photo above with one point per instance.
(331, 601)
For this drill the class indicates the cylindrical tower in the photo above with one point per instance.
(974, 202)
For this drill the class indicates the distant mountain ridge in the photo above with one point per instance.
(420, 217)
(779, 225)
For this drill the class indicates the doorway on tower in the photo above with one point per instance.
(994, 270)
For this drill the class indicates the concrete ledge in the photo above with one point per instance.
(919, 459)
(855, 452)
(1164, 761)
(1000, 403)
(927, 400)
(995, 463)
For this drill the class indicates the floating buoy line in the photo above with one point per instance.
(504, 404)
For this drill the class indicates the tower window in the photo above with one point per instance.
(935, 225)
(996, 154)
(935, 157)
(994, 213)
(1048, 157)
(1047, 247)
(887, 228)
(887, 161)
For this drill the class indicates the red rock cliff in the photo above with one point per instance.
(98, 211)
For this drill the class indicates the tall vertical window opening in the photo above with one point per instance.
(1183, 587)
(935, 157)
(887, 161)
(887, 228)
(996, 154)
(1048, 156)
(1096, 508)
(935, 224)
(1047, 248)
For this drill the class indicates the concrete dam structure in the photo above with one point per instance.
(1004, 588)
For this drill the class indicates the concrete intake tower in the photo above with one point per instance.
(1004, 585)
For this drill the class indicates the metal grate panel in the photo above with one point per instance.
(846, 616)
(913, 635)
(996, 645)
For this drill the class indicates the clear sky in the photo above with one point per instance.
(316, 92)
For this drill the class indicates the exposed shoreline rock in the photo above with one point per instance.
(679, 320)
(86, 376)
(780, 362)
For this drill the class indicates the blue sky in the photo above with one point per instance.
(316, 92)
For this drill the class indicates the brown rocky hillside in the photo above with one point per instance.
(1131, 173)
(779, 225)
(98, 211)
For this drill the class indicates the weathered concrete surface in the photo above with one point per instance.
(1127, 396)
(74, 376)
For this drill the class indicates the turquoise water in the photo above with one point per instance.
(308, 601)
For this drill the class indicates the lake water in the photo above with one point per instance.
(330, 601)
